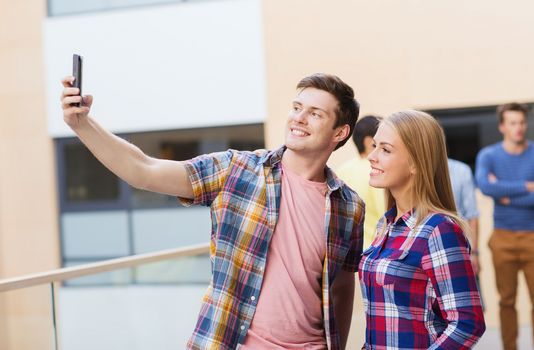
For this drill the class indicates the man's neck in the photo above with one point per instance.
(310, 168)
(515, 147)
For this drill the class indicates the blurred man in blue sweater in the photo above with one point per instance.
(505, 172)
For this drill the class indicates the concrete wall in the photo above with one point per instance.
(28, 214)
(399, 54)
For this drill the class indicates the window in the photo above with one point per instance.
(469, 129)
(69, 7)
(86, 178)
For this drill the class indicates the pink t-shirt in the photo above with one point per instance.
(289, 311)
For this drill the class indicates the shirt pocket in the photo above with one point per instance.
(389, 269)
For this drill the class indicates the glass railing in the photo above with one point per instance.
(63, 309)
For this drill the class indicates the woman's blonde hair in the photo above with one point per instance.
(425, 141)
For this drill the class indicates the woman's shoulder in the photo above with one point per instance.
(438, 222)
(444, 232)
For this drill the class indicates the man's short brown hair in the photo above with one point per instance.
(348, 108)
(513, 106)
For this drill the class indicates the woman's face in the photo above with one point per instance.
(391, 166)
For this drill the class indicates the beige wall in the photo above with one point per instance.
(28, 214)
(400, 54)
(404, 54)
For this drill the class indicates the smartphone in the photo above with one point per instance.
(77, 63)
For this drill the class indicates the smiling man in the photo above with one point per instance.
(286, 232)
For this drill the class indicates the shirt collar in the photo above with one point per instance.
(274, 157)
(409, 218)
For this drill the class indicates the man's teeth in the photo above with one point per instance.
(298, 132)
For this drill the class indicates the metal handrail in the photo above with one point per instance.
(98, 267)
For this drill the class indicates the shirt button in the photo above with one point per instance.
(253, 298)
(242, 328)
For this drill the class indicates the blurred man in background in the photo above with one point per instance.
(505, 172)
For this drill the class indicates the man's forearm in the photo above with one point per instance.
(473, 234)
(343, 299)
(121, 157)
(526, 201)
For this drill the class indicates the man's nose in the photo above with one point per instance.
(300, 116)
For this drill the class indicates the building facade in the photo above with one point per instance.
(184, 78)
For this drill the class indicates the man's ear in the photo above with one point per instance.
(341, 133)
(368, 144)
(501, 128)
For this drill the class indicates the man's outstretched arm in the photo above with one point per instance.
(121, 157)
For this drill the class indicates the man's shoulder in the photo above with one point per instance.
(351, 195)
(457, 165)
(494, 147)
(491, 150)
(248, 158)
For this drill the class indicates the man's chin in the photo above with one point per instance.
(294, 147)
(520, 141)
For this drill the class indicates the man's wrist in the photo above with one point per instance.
(474, 252)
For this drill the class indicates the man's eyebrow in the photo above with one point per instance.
(295, 102)
(319, 109)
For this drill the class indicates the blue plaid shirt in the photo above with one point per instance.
(419, 287)
(243, 191)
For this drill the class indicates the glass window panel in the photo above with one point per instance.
(86, 178)
(63, 7)
(156, 229)
(102, 234)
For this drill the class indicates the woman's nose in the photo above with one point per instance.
(372, 156)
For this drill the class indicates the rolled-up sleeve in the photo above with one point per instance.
(207, 174)
(448, 266)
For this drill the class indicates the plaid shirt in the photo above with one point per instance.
(243, 191)
(418, 286)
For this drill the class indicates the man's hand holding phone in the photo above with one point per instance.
(75, 107)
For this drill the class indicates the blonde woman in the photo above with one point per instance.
(416, 278)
